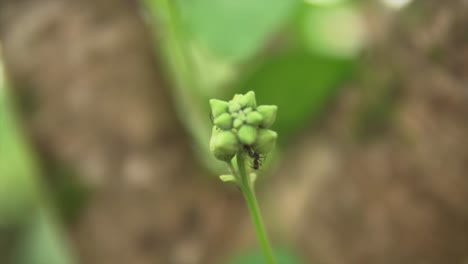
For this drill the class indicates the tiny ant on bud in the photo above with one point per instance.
(257, 158)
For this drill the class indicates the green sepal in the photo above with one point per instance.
(266, 141)
(223, 144)
(247, 134)
(218, 107)
(224, 121)
(268, 113)
(228, 178)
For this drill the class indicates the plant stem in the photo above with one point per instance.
(251, 199)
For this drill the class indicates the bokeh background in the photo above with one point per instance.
(104, 130)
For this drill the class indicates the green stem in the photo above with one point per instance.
(251, 199)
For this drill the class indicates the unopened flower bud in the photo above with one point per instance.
(234, 106)
(237, 97)
(224, 144)
(254, 118)
(266, 141)
(224, 121)
(268, 113)
(247, 134)
(238, 122)
(248, 100)
(247, 110)
(218, 107)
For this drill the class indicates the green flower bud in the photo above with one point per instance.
(237, 97)
(241, 116)
(254, 118)
(247, 134)
(248, 100)
(218, 107)
(224, 144)
(238, 122)
(266, 141)
(268, 113)
(224, 121)
(234, 106)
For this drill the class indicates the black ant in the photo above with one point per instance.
(257, 158)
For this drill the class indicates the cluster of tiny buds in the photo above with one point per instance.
(240, 123)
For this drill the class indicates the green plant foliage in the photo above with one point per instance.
(42, 241)
(24, 211)
(18, 189)
(336, 30)
(300, 84)
(234, 29)
(284, 256)
(187, 86)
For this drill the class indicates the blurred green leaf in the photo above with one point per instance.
(25, 214)
(336, 30)
(42, 241)
(192, 107)
(283, 256)
(235, 29)
(18, 188)
(300, 84)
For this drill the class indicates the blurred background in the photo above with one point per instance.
(105, 124)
